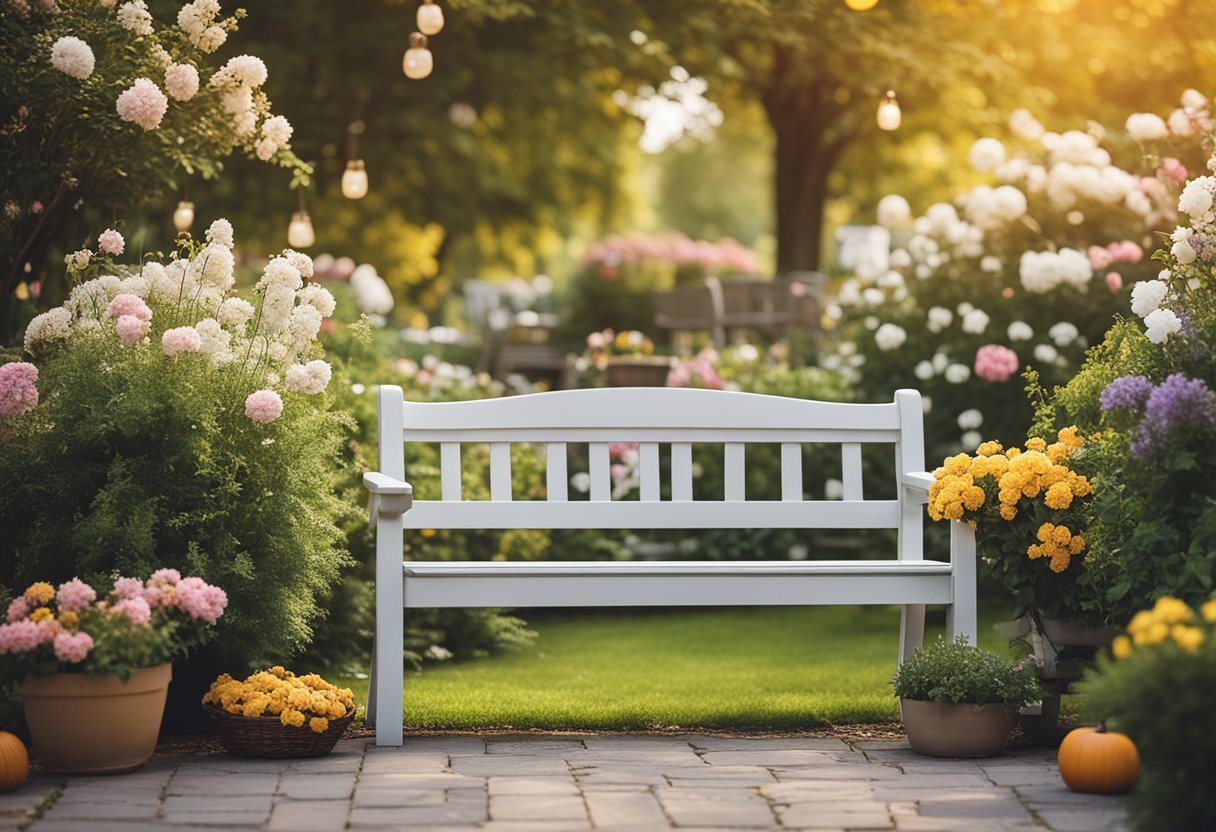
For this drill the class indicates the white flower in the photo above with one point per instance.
(1181, 124)
(957, 373)
(970, 419)
(181, 81)
(1043, 271)
(986, 155)
(318, 297)
(1020, 331)
(581, 482)
(975, 322)
(1063, 333)
(939, 318)
(1183, 253)
(1147, 296)
(135, 17)
(971, 439)
(890, 337)
(1046, 353)
(1193, 100)
(833, 489)
(142, 103)
(890, 280)
(55, 325)
(301, 261)
(893, 211)
(234, 313)
(1160, 324)
(78, 260)
(304, 325)
(213, 265)
(280, 272)
(939, 362)
(924, 371)
(278, 129)
(310, 378)
(873, 296)
(372, 294)
(1146, 127)
(72, 56)
(991, 264)
(220, 232)
(1025, 126)
(213, 339)
(1196, 198)
(249, 70)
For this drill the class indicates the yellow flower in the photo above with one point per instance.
(69, 619)
(1121, 647)
(255, 707)
(1035, 444)
(990, 448)
(40, 593)
(337, 710)
(1068, 437)
(291, 717)
(1188, 638)
(318, 724)
(973, 497)
(41, 614)
(1059, 496)
(1008, 512)
(1171, 610)
(1208, 610)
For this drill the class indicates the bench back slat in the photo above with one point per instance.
(601, 472)
(500, 472)
(681, 472)
(449, 474)
(648, 472)
(791, 472)
(556, 480)
(850, 470)
(733, 465)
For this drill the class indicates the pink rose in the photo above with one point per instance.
(995, 363)
(264, 406)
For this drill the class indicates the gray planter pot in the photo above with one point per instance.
(938, 729)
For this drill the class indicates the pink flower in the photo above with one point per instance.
(1173, 170)
(137, 610)
(617, 450)
(170, 577)
(1099, 257)
(1125, 252)
(111, 242)
(618, 472)
(180, 339)
(130, 328)
(142, 103)
(128, 588)
(264, 406)
(200, 600)
(128, 304)
(18, 395)
(37, 207)
(21, 636)
(995, 363)
(76, 595)
(1114, 282)
(73, 648)
(19, 609)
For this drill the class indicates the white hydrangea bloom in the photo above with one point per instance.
(135, 17)
(372, 294)
(893, 211)
(1025, 126)
(1020, 331)
(924, 370)
(214, 340)
(957, 373)
(319, 297)
(1181, 124)
(1183, 252)
(301, 261)
(940, 361)
(280, 273)
(1063, 333)
(181, 82)
(72, 56)
(1046, 353)
(1147, 296)
(213, 266)
(303, 327)
(53, 325)
(970, 419)
(278, 129)
(986, 155)
(1194, 100)
(890, 337)
(310, 378)
(220, 232)
(939, 318)
(1196, 198)
(1146, 127)
(975, 322)
(234, 313)
(1160, 324)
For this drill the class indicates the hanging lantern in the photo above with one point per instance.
(861, 5)
(183, 216)
(300, 233)
(418, 61)
(354, 180)
(430, 18)
(889, 114)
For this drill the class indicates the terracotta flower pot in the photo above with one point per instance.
(80, 725)
(938, 729)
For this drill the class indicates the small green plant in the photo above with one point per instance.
(954, 671)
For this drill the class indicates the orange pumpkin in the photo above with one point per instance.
(1099, 761)
(14, 762)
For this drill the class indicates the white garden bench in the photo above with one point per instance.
(652, 417)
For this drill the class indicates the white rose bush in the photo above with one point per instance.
(1025, 271)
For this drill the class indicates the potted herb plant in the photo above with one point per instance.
(960, 701)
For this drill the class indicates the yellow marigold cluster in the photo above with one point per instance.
(1057, 543)
(1169, 620)
(40, 593)
(278, 692)
(1015, 474)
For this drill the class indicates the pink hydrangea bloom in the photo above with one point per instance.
(1114, 282)
(128, 304)
(142, 103)
(1099, 257)
(130, 328)
(200, 600)
(263, 406)
(995, 363)
(111, 242)
(1125, 251)
(170, 577)
(137, 610)
(180, 339)
(75, 595)
(128, 588)
(18, 393)
(19, 609)
(72, 648)
(618, 472)
(21, 636)
(1173, 170)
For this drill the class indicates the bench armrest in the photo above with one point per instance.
(390, 497)
(918, 484)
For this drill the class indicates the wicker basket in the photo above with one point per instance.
(266, 736)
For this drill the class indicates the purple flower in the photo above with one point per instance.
(1126, 393)
(1178, 403)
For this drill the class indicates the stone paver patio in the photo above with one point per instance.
(546, 783)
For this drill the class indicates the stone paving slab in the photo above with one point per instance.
(573, 783)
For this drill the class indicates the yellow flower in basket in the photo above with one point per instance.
(295, 700)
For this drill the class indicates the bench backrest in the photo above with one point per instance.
(653, 417)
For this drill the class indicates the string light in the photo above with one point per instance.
(861, 5)
(183, 216)
(354, 178)
(430, 18)
(889, 114)
(300, 233)
(418, 61)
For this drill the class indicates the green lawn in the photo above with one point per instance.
(746, 668)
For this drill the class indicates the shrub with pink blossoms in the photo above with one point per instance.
(18, 393)
(995, 363)
(136, 624)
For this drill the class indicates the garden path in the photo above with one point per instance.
(535, 783)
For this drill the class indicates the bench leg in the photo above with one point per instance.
(962, 617)
(911, 629)
(385, 696)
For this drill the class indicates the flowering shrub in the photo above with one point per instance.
(1145, 397)
(954, 672)
(1027, 270)
(295, 700)
(137, 624)
(1156, 687)
(165, 420)
(1025, 507)
(83, 76)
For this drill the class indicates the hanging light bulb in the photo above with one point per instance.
(430, 18)
(861, 5)
(183, 216)
(889, 114)
(300, 233)
(418, 61)
(354, 180)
